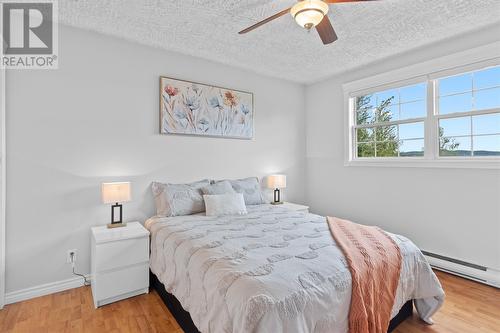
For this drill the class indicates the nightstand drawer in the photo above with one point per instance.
(116, 283)
(122, 253)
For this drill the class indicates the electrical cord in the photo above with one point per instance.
(85, 281)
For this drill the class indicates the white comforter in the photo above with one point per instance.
(273, 270)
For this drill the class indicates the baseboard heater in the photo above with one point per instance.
(464, 269)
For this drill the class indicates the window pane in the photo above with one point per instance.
(387, 96)
(413, 93)
(386, 113)
(455, 146)
(455, 84)
(387, 149)
(455, 103)
(393, 110)
(486, 124)
(365, 102)
(386, 133)
(365, 134)
(487, 145)
(364, 116)
(366, 150)
(487, 78)
(411, 131)
(411, 148)
(413, 110)
(454, 126)
(487, 99)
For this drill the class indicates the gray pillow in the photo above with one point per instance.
(250, 188)
(222, 187)
(179, 199)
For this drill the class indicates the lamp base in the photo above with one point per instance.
(116, 225)
(277, 203)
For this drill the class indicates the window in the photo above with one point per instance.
(469, 114)
(390, 123)
(434, 118)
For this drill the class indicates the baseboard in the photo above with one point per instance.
(489, 276)
(43, 289)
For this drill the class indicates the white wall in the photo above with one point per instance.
(95, 119)
(453, 212)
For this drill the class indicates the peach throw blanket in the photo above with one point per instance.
(374, 261)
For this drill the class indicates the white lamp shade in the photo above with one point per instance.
(115, 192)
(309, 13)
(276, 181)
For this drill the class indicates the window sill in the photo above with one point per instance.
(486, 163)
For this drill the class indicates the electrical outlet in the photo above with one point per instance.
(71, 253)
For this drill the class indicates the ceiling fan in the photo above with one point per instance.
(308, 14)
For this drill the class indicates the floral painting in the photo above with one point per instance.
(199, 109)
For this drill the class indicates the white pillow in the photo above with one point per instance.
(225, 204)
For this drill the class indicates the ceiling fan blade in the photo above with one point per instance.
(325, 31)
(341, 1)
(269, 19)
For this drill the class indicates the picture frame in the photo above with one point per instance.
(193, 108)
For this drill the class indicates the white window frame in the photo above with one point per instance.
(430, 72)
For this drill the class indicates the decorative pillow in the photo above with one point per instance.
(222, 187)
(179, 199)
(250, 188)
(225, 204)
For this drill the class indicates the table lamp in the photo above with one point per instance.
(276, 182)
(116, 193)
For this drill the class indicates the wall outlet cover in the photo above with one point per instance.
(68, 256)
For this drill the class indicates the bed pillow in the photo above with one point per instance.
(250, 188)
(179, 199)
(225, 204)
(222, 187)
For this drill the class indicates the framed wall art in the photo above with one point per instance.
(198, 109)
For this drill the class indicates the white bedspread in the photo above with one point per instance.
(273, 270)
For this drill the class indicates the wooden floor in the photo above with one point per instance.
(469, 307)
(73, 311)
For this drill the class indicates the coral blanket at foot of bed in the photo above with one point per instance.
(374, 261)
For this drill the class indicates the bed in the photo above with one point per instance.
(272, 270)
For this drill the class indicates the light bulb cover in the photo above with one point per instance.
(309, 13)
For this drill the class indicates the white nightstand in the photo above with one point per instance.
(296, 207)
(119, 262)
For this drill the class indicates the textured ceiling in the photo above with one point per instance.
(367, 31)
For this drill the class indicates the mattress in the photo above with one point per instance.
(272, 270)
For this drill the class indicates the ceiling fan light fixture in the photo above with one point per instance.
(309, 13)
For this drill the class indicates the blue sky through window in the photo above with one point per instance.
(411, 131)
(486, 124)
(413, 93)
(487, 78)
